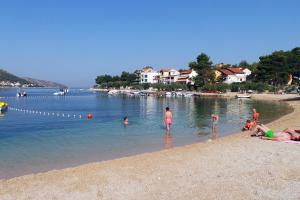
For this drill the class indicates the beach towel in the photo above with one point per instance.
(291, 141)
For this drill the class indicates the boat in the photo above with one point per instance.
(3, 106)
(188, 94)
(168, 94)
(21, 93)
(113, 92)
(62, 92)
(243, 96)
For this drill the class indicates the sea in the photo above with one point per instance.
(42, 132)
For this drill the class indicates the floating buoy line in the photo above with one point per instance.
(52, 114)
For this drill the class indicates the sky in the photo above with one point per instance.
(73, 41)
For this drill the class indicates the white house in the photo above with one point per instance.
(148, 75)
(234, 74)
(187, 76)
(168, 76)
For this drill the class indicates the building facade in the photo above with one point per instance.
(168, 76)
(148, 75)
(187, 77)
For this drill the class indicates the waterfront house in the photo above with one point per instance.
(168, 76)
(187, 76)
(148, 75)
(232, 74)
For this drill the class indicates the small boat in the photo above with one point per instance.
(188, 94)
(62, 92)
(21, 93)
(168, 94)
(244, 96)
(3, 106)
(113, 92)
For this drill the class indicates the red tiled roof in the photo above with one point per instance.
(186, 71)
(182, 79)
(226, 71)
(236, 70)
(165, 70)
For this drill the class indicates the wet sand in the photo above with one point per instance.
(233, 167)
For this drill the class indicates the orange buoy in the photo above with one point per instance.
(90, 116)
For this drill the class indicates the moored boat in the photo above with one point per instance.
(3, 106)
(245, 96)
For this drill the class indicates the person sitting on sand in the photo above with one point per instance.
(168, 118)
(255, 115)
(267, 134)
(125, 121)
(249, 125)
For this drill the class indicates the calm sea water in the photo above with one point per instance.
(43, 132)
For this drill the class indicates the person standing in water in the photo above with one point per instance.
(255, 115)
(168, 118)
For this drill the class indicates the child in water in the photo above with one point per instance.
(125, 121)
(168, 118)
(255, 115)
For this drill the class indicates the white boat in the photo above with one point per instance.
(168, 94)
(179, 94)
(188, 94)
(59, 93)
(62, 92)
(244, 96)
(113, 92)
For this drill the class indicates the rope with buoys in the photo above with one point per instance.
(53, 114)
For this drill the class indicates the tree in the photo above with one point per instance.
(203, 66)
(276, 68)
(103, 79)
(244, 63)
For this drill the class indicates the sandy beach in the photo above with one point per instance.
(232, 167)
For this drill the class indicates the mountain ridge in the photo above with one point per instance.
(8, 79)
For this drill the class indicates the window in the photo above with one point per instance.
(146, 76)
(146, 80)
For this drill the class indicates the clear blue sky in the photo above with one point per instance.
(72, 41)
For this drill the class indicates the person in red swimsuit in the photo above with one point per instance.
(168, 118)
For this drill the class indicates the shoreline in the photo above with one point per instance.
(97, 180)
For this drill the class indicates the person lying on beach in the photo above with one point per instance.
(249, 125)
(267, 134)
(168, 118)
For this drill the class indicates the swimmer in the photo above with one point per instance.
(168, 118)
(125, 121)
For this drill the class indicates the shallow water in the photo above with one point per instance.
(43, 132)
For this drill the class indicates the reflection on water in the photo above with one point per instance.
(168, 140)
(33, 142)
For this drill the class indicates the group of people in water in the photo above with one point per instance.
(255, 128)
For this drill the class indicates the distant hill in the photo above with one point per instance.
(43, 83)
(6, 76)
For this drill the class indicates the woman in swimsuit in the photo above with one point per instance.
(267, 134)
(168, 118)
